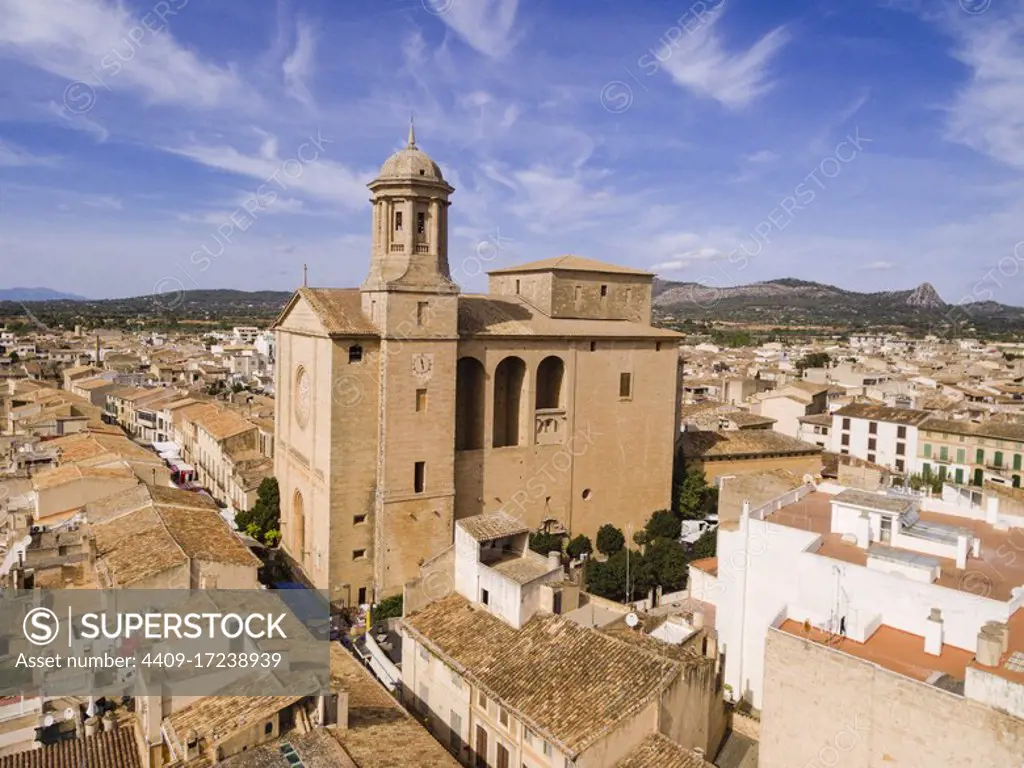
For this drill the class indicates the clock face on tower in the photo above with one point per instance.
(303, 395)
(422, 366)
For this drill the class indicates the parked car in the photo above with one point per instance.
(694, 529)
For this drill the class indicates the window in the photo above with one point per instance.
(358, 519)
(362, 596)
(358, 554)
(481, 700)
(577, 294)
(421, 223)
(871, 458)
(961, 456)
(517, 287)
(502, 756)
(421, 400)
(872, 427)
(503, 716)
(980, 456)
(547, 749)
(593, 346)
(485, 597)
(844, 451)
(959, 474)
(398, 221)
(943, 453)
(355, 353)
(844, 439)
(268, 728)
(872, 444)
(456, 680)
(604, 291)
(901, 433)
(657, 346)
(900, 465)
(998, 460)
(481, 747)
(1016, 461)
(846, 423)
(927, 450)
(422, 311)
(419, 476)
(528, 736)
(625, 385)
(901, 449)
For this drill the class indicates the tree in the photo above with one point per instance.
(14, 358)
(665, 560)
(610, 540)
(579, 546)
(813, 360)
(693, 496)
(609, 579)
(542, 543)
(265, 515)
(388, 608)
(705, 546)
(663, 524)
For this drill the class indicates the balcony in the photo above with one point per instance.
(398, 248)
(421, 248)
(549, 426)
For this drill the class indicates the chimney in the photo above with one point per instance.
(933, 632)
(990, 647)
(92, 726)
(555, 560)
(963, 542)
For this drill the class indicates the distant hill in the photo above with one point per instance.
(214, 306)
(37, 294)
(789, 301)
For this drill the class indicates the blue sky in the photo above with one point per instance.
(873, 146)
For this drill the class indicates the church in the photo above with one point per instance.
(404, 405)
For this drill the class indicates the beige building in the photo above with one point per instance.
(404, 405)
(737, 452)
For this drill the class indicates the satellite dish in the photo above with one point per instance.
(69, 713)
(48, 721)
(632, 620)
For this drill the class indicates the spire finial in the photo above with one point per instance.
(305, 275)
(412, 132)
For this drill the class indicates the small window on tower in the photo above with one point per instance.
(422, 310)
(517, 287)
(355, 353)
(398, 221)
(421, 400)
(421, 223)
(625, 385)
(604, 290)
(419, 476)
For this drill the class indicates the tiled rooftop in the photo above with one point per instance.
(108, 749)
(495, 525)
(380, 734)
(906, 416)
(570, 683)
(742, 442)
(659, 751)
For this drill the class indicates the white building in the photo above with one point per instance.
(245, 334)
(895, 579)
(878, 434)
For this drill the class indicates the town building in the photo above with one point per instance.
(721, 453)
(967, 452)
(878, 434)
(405, 405)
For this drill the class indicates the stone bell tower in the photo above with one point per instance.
(411, 298)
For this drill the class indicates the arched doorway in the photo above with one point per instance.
(470, 400)
(550, 376)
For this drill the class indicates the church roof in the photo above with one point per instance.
(339, 309)
(571, 263)
(481, 315)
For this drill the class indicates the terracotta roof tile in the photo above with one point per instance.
(659, 751)
(108, 749)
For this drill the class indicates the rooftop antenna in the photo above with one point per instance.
(305, 275)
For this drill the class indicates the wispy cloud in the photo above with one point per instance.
(700, 63)
(104, 45)
(486, 25)
(298, 67)
(987, 113)
(12, 156)
(879, 265)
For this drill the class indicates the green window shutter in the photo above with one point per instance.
(927, 450)
(959, 475)
(961, 456)
(980, 456)
(944, 453)
(999, 459)
(1016, 461)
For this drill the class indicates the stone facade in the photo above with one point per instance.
(403, 406)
